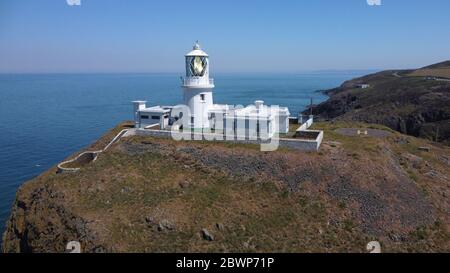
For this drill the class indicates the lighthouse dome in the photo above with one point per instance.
(196, 51)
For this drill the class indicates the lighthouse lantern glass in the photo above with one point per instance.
(198, 66)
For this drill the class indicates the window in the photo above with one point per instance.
(202, 97)
(144, 117)
(155, 117)
(192, 120)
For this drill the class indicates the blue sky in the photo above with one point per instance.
(240, 36)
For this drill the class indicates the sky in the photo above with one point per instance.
(50, 36)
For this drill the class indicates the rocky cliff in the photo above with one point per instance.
(414, 102)
(158, 195)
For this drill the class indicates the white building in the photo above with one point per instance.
(362, 85)
(204, 114)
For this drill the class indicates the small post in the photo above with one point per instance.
(311, 112)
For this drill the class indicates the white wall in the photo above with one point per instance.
(199, 108)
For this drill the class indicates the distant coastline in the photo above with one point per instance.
(417, 104)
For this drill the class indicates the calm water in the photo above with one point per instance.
(45, 118)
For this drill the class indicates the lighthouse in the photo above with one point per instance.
(204, 116)
(197, 87)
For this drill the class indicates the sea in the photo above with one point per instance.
(44, 118)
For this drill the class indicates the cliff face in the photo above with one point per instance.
(41, 222)
(159, 195)
(414, 102)
(41, 218)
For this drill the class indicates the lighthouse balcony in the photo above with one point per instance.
(198, 82)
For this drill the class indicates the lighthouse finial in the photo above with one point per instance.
(196, 45)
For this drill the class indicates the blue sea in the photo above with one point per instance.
(46, 117)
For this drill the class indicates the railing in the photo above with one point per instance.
(195, 81)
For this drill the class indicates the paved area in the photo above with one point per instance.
(362, 132)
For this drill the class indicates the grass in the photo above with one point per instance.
(438, 72)
(356, 144)
(119, 191)
(232, 202)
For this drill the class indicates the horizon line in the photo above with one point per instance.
(182, 72)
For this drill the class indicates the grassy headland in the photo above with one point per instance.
(156, 195)
(414, 102)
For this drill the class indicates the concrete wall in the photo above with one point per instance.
(298, 144)
(306, 125)
(303, 144)
(81, 159)
(88, 156)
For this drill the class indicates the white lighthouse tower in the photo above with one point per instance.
(197, 87)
